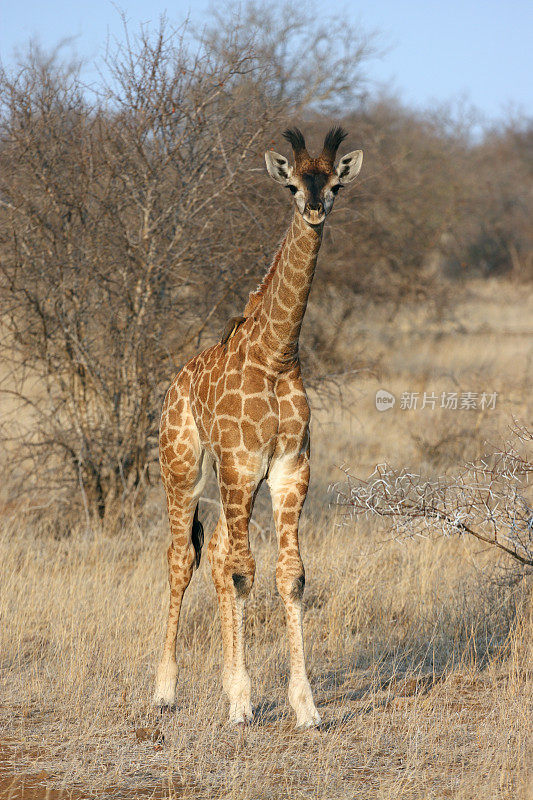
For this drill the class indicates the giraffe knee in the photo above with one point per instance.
(298, 587)
(242, 584)
(291, 582)
(242, 573)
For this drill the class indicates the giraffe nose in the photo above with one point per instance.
(314, 206)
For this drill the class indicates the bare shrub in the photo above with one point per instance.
(488, 500)
(307, 62)
(104, 210)
(129, 221)
(493, 235)
(435, 202)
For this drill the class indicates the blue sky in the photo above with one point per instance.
(435, 52)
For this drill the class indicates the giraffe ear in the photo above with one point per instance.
(278, 167)
(349, 166)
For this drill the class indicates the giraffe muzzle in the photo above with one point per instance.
(314, 214)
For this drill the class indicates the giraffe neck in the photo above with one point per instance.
(279, 304)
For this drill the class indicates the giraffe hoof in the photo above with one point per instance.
(165, 708)
(165, 686)
(308, 725)
(313, 722)
(301, 700)
(163, 704)
(165, 701)
(241, 721)
(241, 715)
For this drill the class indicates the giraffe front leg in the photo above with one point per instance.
(288, 483)
(237, 495)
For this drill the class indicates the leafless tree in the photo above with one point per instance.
(130, 222)
(436, 203)
(134, 220)
(308, 59)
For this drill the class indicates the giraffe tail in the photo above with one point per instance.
(197, 537)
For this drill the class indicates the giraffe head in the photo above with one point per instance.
(314, 182)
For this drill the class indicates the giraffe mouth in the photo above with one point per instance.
(314, 217)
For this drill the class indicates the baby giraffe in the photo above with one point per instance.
(241, 406)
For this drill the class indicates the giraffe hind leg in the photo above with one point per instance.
(184, 476)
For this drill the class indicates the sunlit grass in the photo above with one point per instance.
(419, 653)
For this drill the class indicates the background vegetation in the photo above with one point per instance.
(135, 217)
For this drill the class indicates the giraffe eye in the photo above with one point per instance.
(292, 189)
(336, 188)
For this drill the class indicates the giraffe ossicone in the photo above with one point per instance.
(241, 406)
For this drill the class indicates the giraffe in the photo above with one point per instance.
(241, 407)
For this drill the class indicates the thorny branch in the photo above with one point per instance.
(488, 499)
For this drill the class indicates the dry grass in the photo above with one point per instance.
(419, 654)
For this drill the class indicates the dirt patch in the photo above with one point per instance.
(23, 784)
(19, 785)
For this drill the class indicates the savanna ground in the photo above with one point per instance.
(419, 652)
